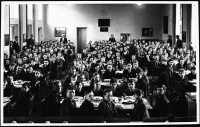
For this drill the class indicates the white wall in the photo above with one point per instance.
(127, 18)
(169, 12)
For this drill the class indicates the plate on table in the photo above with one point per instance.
(119, 105)
(106, 80)
(98, 98)
(128, 101)
(130, 97)
(120, 72)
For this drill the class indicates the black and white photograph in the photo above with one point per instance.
(99, 63)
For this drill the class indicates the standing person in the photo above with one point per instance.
(169, 40)
(87, 107)
(16, 44)
(68, 106)
(112, 39)
(140, 110)
(179, 43)
(30, 41)
(106, 107)
(63, 39)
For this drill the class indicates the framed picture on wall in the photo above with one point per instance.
(147, 32)
(125, 37)
(59, 31)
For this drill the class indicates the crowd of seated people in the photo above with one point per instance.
(128, 65)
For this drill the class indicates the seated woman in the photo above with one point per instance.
(71, 78)
(140, 110)
(68, 106)
(79, 89)
(87, 107)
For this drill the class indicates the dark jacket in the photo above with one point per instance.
(128, 75)
(65, 40)
(87, 109)
(139, 111)
(51, 105)
(68, 108)
(162, 106)
(107, 109)
(30, 41)
(109, 75)
(129, 92)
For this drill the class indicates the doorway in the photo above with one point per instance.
(81, 39)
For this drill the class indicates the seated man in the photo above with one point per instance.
(23, 106)
(115, 88)
(140, 110)
(109, 73)
(68, 106)
(131, 88)
(106, 107)
(142, 83)
(87, 107)
(161, 109)
(128, 73)
(97, 88)
(79, 89)
(51, 105)
(192, 75)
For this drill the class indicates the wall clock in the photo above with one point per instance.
(104, 12)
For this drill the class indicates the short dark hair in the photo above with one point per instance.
(193, 68)
(106, 91)
(131, 81)
(138, 92)
(87, 92)
(55, 83)
(70, 88)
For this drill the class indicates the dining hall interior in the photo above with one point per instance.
(99, 62)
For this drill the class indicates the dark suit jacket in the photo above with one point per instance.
(161, 107)
(87, 109)
(98, 93)
(107, 109)
(16, 46)
(139, 111)
(51, 105)
(112, 39)
(67, 108)
(129, 92)
(65, 40)
(109, 75)
(30, 41)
